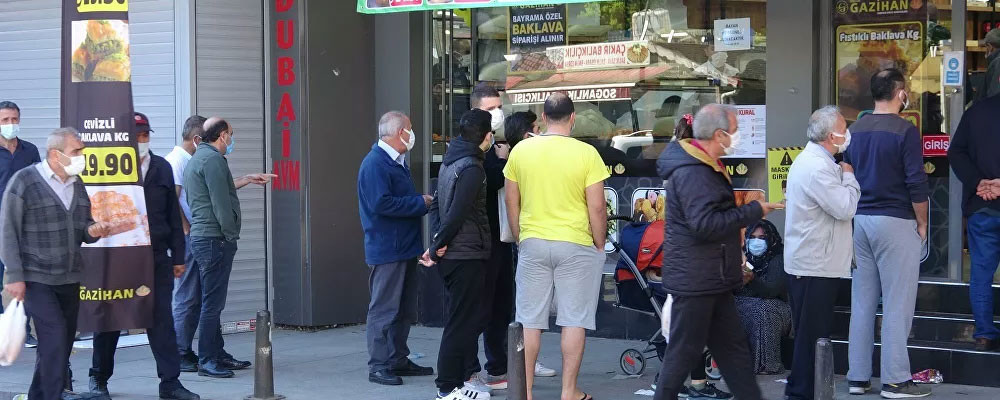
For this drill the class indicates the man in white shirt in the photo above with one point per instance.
(822, 198)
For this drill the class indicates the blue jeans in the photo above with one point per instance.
(187, 300)
(984, 246)
(215, 263)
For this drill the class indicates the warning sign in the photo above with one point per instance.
(779, 161)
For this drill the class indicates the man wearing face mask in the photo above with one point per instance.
(991, 79)
(889, 230)
(44, 219)
(822, 198)
(166, 234)
(215, 228)
(15, 153)
(702, 255)
(391, 210)
(461, 245)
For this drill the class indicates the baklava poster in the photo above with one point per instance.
(100, 51)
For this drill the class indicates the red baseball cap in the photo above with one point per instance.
(142, 122)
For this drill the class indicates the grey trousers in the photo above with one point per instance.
(887, 252)
(391, 312)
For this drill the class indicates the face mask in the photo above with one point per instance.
(76, 164)
(497, 121)
(144, 150)
(467, 60)
(906, 102)
(734, 142)
(9, 131)
(229, 147)
(757, 246)
(413, 140)
(847, 141)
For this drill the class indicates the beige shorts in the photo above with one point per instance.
(566, 272)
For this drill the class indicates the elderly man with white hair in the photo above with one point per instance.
(822, 198)
(702, 256)
(391, 210)
(44, 206)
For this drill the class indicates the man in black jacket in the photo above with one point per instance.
(166, 235)
(462, 245)
(973, 156)
(703, 257)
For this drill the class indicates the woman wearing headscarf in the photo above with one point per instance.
(763, 300)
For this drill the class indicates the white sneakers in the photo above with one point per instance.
(542, 371)
(465, 393)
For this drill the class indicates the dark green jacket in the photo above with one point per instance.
(211, 194)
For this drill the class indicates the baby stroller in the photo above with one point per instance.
(637, 288)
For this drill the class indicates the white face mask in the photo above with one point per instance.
(9, 131)
(906, 101)
(734, 142)
(496, 122)
(76, 164)
(413, 140)
(143, 150)
(847, 141)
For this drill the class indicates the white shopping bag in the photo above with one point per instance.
(506, 235)
(12, 332)
(665, 320)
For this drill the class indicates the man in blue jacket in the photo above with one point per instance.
(391, 212)
(973, 156)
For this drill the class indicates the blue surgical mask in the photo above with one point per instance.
(229, 147)
(757, 246)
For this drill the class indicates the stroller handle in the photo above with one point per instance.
(612, 218)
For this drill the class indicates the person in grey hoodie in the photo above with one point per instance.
(44, 219)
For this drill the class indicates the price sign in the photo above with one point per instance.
(110, 165)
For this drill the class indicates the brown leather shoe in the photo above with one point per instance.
(984, 344)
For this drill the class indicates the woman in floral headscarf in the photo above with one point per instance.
(763, 300)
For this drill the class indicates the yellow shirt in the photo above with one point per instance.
(552, 173)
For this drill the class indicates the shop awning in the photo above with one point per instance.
(602, 78)
(388, 6)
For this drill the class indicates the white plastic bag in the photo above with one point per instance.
(506, 235)
(665, 321)
(12, 332)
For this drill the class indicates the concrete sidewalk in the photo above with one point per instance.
(332, 364)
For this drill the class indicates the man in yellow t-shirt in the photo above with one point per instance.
(556, 207)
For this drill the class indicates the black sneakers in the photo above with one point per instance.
(904, 390)
(707, 392)
(857, 387)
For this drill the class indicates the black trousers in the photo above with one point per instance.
(54, 310)
(465, 281)
(162, 337)
(812, 300)
(710, 320)
(498, 303)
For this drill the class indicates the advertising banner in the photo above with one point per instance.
(591, 94)
(388, 6)
(865, 49)
(600, 55)
(116, 291)
(535, 28)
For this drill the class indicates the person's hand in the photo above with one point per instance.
(99, 230)
(988, 189)
(179, 270)
(15, 290)
(503, 150)
(260, 179)
(427, 200)
(846, 167)
(922, 232)
(747, 276)
(769, 207)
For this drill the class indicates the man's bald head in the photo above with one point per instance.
(213, 129)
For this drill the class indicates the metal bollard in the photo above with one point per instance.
(823, 374)
(517, 383)
(263, 372)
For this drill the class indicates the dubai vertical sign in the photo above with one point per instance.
(96, 99)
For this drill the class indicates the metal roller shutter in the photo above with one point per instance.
(229, 43)
(29, 75)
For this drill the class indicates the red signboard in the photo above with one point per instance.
(936, 145)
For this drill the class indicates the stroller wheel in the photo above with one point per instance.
(711, 368)
(632, 362)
